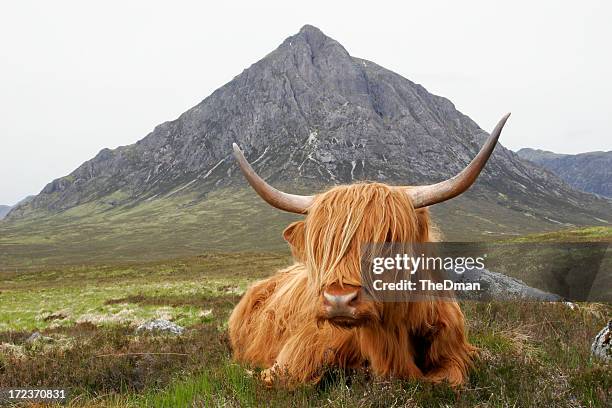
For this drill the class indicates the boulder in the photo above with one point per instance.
(497, 286)
(160, 325)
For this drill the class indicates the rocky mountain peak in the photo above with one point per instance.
(309, 115)
(318, 44)
(313, 36)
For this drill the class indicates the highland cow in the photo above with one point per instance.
(313, 314)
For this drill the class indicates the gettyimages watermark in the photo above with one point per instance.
(400, 272)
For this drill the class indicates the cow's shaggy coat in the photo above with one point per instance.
(278, 324)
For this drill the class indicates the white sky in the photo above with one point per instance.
(78, 76)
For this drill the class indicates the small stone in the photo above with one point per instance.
(38, 337)
(35, 336)
(571, 305)
(602, 345)
(160, 325)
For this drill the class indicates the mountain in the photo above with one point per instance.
(590, 172)
(307, 115)
(4, 209)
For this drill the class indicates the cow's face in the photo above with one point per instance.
(330, 239)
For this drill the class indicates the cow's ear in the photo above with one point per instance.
(423, 224)
(295, 235)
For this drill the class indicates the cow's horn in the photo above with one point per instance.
(423, 196)
(288, 202)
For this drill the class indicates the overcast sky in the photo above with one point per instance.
(79, 76)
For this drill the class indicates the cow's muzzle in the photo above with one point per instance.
(341, 305)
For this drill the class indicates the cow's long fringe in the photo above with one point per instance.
(346, 217)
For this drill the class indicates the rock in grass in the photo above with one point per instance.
(37, 337)
(497, 286)
(160, 325)
(602, 346)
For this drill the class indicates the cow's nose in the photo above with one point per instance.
(340, 304)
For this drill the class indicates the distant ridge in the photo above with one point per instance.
(4, 209)
(590, 172)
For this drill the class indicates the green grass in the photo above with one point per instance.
(126, 294)
(550, 260)
(531, 353)
(585, 234)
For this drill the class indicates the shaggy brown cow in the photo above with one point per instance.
(313, 314)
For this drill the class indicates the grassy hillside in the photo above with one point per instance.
(586, 234)
(225, 220)
(531, 353)
(573, 262)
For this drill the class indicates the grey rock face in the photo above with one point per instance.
(309, 115)
(160, 325)
(590, 172)
(602, 345)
